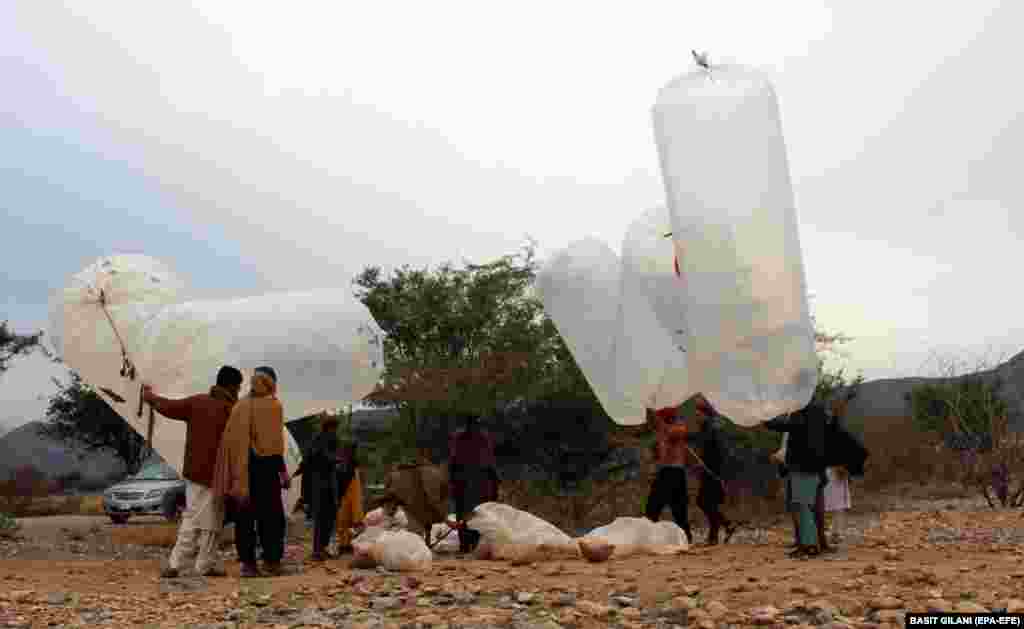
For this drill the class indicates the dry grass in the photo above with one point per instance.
(40, 506)
(160, 535)
(91, 505)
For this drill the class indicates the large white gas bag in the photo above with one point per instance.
(749, 335)
(608, 323)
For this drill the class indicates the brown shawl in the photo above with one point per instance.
(257, 425)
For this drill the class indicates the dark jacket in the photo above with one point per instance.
(472, 466)
(205, 416)
(807, 428)
(713, 448)
(346, 470)
(845, 449)
(321, 466)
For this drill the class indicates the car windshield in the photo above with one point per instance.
(156, 471)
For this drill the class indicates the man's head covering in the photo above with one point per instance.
(329, 422)
(667, 413)
(267, 371)
(229, 377)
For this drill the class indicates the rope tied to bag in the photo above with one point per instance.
(128, 369)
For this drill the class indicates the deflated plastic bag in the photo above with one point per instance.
(631, 536)
(379, 518)
(750, 340)
(449, 542)
(628, 358)
(401, 551)
(500, 525)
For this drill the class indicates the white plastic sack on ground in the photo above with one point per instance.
(507, 533)
(450, 541)
(379, 518)
(401, 551)
(750, 346)
(640, 536)
(628, 358)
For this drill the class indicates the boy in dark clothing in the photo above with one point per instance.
(711, 441)
(473, 477)
(321, 472)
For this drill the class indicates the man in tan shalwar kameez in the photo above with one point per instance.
(251, 473)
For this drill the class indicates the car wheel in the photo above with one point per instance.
(118, 519)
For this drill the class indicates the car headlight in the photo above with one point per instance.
(154, 493)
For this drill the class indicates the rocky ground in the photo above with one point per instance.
(946, 555)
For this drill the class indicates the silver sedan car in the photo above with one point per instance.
(149, 492)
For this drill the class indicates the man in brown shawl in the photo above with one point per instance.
(205, 417)
(251, 473)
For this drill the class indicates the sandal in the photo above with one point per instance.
(730, 529)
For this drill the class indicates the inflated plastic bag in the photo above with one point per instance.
(579, 287)
(122, 322)
(649, 349)
(507, 532)
(401, 551)
(750, 340)
(628, 358)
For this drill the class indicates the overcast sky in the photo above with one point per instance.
(289, 145)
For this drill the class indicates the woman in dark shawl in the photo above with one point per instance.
(320, 472)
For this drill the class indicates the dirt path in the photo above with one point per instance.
(902, 561)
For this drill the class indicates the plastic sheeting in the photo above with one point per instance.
(503, 525)
(649, 350)
(750, 339)
(324, 345)
(640, 535)
(622, 320)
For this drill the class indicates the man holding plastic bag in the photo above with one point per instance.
(669, 486)
(473, 477)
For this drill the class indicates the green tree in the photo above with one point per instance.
(13, 344)
(78, 416)
(465, 342)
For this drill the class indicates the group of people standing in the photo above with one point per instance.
(817, 457)
(234, 467)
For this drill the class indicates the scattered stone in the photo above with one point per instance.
(970, 607)
(566, 600)
(809, 590)
(385, 602)
(716, 609)
(57, 598)
(625, 601)
(465, 598)
(596, 610)
(938, 605)
(885, 602)
(1014, 606)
